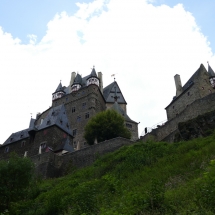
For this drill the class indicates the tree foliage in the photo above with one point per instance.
(104, 126)
(15, 178)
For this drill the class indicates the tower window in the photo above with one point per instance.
(84, 105)
(78, 118)
(74, 132)
(87, 115)
(73, 109)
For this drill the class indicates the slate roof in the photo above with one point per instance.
(78, 79)
(119, 110)
(93, 73)
(59, 88)
(64, 145)
(17, 136)
(56, 116)
(109, 93)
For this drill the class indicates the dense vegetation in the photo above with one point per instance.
(104, 126)
(16, 176)
(145, 178)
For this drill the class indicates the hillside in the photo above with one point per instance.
(145, 178)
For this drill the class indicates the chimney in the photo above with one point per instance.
(178, 84)
(101, 81)
(72, 80)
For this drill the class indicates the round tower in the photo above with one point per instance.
(93, 78)
(76, 84)
(59, 92)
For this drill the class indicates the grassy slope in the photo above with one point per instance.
(145, 178)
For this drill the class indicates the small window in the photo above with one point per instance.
(74, 132)
(48, 122)
(6, 150)
(87, 115)
(173, 107)
(73, 109)
(61, 121)
(22, 143)
(188, 93)
(128, 125)
(74, 143)
(43, 145)
(21, 136)
(203, 88)
(78, 118)
(210, 91)
(85, 143)
(11, 139)
(84, 105)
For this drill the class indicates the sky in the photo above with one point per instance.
(143, 42)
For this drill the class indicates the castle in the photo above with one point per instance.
(60, 128)
(196, 97)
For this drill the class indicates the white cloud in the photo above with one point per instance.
(144, 45)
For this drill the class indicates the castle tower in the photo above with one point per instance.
(76, 84)
(93, 79)
(59, 92)
(211, 76)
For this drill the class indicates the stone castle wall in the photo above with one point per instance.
(51, 165)
(199, 89)
(198, 107)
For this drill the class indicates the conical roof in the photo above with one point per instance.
(93, 73)
(78, 79)
(59, 88)
(210, 71)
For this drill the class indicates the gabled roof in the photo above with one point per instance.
(210, 71)
(64, 145)
(109, 93)
(17, 136)
(119, 110)
(56, 116)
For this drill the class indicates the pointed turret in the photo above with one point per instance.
(59, 92)
(211, 76)
(77, 83)
(93, 78)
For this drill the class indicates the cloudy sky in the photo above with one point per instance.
(144, 42)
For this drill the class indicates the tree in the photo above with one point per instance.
(15, 177)
(104, 126)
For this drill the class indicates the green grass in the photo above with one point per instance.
(144, 178)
